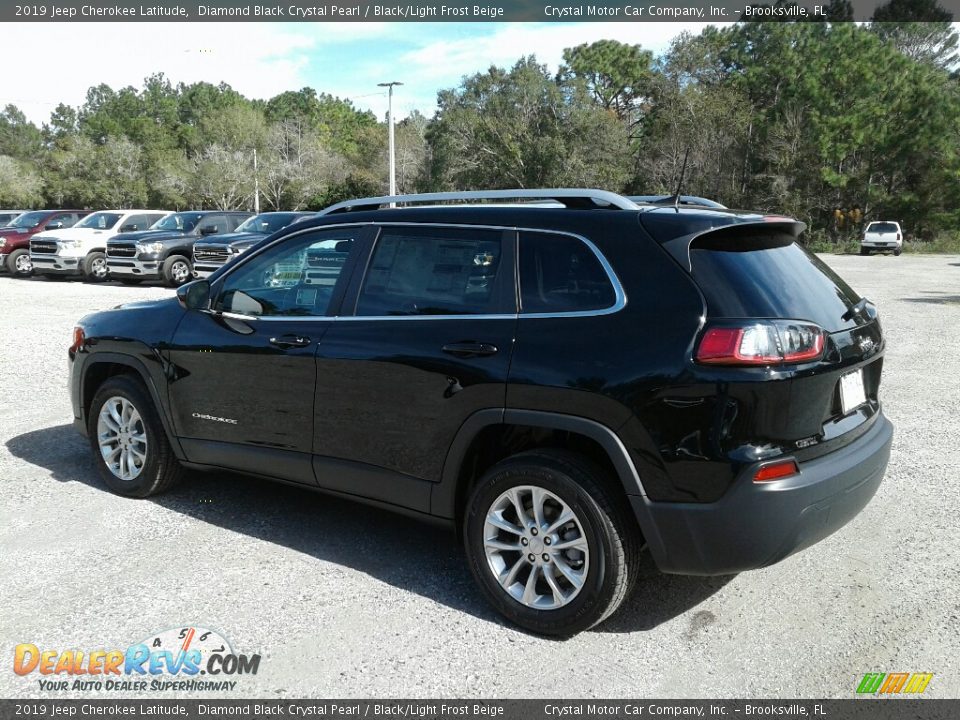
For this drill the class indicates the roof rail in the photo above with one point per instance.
(570, 197)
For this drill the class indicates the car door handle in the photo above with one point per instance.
(470, 349)
(290, 341)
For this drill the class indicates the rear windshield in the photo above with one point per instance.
(769, 277)
(882, 227)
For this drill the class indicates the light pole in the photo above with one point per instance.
(393, 157)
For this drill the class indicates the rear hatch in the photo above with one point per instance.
(754, 275)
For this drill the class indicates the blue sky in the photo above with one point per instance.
(263, 59)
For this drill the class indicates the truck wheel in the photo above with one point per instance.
(131, 448)
(549, 545)
(896, 253)
(19, 263)
(176, 270)
(94, 267)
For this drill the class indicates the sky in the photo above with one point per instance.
(58, 62)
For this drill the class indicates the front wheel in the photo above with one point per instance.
(19, 264)
(176, 270)
(133, 454)
(896, 253)
(95, 267)
(551, 547)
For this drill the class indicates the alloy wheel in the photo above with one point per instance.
(536, 547)
(122, 438)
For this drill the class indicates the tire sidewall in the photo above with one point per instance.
(591, 603)
(125, 387)
(88, 262)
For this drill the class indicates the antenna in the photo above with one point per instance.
(683, 172)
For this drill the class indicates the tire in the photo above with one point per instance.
(18, 263)
(130, 280)
(94, 267)
(601, 521)
(139, 434)
(896, 253)
(176, 271)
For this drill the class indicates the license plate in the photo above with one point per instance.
(852, 393)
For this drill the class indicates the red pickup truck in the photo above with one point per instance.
(15, 237)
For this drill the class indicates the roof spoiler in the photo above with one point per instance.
(761, 230)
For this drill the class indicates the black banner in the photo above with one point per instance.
(875, 709)
(454, 11)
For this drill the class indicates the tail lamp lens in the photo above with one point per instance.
(775, 471)
(767, 342)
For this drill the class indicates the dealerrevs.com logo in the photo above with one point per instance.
(181, 659)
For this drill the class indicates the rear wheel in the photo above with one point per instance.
(549, 545)
(94, 267)
(18, 263)
(897, 252)
(176, 270)
(131, 448)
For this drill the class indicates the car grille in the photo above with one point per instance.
(217, 255)
(121, 251)
(48, 247)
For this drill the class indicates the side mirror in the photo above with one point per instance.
(194, 295)
(208, 230)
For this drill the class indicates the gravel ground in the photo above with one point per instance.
(343, 600)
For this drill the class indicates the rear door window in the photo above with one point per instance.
(435, 271)
(561, 274)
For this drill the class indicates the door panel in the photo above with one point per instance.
(429, 345)
(244, 373)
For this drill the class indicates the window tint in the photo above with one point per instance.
(294, 278)
(235, 221)
(882, 227)
(432, 271)
(559, 273)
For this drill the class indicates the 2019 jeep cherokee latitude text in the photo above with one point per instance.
(565, 386)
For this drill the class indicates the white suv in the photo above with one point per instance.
(81, 250)
(883, 235)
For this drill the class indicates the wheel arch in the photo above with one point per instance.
(600, 443)
(104, 365)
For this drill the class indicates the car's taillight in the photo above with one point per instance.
(761, 342)
(775, 471)
(78, 338)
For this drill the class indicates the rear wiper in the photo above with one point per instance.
(864, 308)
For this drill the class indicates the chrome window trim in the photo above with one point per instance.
(620, 296)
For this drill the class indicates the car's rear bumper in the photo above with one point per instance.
(758, 524)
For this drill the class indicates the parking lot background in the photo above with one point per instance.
(345, 600)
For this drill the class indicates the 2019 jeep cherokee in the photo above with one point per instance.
(564, 385)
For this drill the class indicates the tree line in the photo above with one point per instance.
(805, 119)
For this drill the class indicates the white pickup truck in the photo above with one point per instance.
(80, 250)
(882, 236)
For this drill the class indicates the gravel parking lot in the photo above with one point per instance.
(343, 600)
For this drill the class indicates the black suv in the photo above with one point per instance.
(163, 252)
(566, 386)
